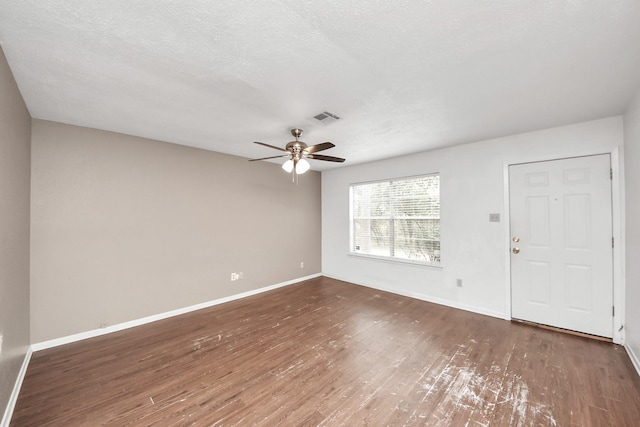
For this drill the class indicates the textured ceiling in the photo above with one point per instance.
(404, 76)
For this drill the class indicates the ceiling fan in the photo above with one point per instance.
(297, 152)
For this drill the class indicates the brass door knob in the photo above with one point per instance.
(516, 239)
(516, 250)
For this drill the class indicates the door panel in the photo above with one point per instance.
(539, 283)
(561, 218)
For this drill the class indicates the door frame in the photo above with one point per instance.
(617, 216)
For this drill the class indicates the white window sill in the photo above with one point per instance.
(431, 265)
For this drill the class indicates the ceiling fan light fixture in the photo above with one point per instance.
(288, 166)
(302, 166)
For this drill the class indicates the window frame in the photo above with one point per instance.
(390, 258)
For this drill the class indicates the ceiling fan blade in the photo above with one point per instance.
(326, 158)
(319, 147)
(270, 146)
(272, 157)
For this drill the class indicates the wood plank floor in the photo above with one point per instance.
(329, 353)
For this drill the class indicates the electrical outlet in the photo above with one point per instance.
(302, 264)
(459, 283)
(234, 277)
(494, 217)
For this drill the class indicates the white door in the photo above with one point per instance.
(561, 244)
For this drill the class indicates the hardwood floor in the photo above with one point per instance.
(329, 353)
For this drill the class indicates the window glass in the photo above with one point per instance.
(397, 218)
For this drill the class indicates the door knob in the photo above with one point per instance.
(516, 250)
(516, 239)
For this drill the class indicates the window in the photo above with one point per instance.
(398, 219)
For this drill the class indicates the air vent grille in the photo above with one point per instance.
(326, 117)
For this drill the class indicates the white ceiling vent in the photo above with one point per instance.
(326, 117)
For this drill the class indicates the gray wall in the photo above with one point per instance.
(632, 183)
(124, 227)
(15, 145)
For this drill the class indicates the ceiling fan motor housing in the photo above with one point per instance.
(296, 148)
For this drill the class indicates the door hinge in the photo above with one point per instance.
(610, 173)
(613, 311)
(613, 242)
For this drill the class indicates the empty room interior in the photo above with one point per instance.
(319, 213)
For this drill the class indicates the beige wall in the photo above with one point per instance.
(124, 227)
(632, 243)
(15, 137)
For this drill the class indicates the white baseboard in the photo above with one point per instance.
(427, 298)
(8, 412)
(634, 357)
(133, 323)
